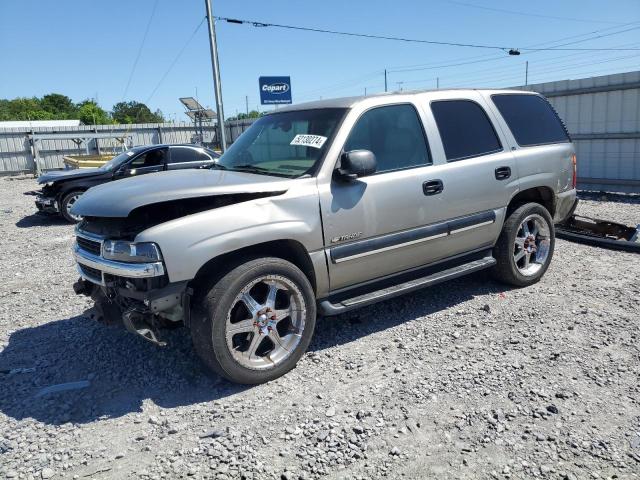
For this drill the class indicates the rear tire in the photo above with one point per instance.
(525, 247)
(255, 320)
(67, 202)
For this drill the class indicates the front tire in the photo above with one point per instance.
(67, 201)
(525, 247)
(255, 321)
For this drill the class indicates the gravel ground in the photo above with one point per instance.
(464, 380)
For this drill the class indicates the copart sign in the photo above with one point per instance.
(275, 90)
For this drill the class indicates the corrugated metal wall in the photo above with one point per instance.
(16, 153)
(602, 115)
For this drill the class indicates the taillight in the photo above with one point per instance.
(574, 181)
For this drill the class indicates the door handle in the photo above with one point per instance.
(432, 187)
(502, 173)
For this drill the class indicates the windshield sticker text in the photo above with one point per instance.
(315, 141)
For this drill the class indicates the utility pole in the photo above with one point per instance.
(365, 91)
(526, 72)
(217, 87)
(246, 101)
(385, 79)
(438, 83)
(400, 85)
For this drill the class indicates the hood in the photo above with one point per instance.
(76, 173)
(120, 198)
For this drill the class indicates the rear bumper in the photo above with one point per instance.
(565, 205)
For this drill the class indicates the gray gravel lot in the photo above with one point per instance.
(468, 379)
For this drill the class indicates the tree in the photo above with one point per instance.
(23, 109)
(135, 112)
(243, 116)
(90, 113)
(58, 105)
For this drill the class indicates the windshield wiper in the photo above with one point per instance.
(251, 169)
(218, 166)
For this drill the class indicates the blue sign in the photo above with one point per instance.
(275, 90)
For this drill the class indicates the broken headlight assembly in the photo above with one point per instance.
(124, 251)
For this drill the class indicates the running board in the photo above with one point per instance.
(327, 308)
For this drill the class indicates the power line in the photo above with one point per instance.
(560, 59)
(175, 60)
(489, 57)
(586, 49)
(528, 50)
(144, 38)
(526, 14)
(548, 65)
(538, 72)
(352, 34)
(511, 50)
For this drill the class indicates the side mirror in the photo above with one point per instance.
(357, 163)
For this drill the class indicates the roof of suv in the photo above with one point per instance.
(348, 102)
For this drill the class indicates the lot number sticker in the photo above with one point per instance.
(315, 141)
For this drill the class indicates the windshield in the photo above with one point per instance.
(288, 144)
(118, 160)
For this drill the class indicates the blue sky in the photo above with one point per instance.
(86, 49)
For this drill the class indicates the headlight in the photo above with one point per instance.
(130, 252)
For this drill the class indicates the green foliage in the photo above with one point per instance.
(90, 113)
(56, 106)
(244, 116)
(23, 109)
(60, 106)
(135, 112)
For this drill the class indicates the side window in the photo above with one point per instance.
(202, 156)
(531, 119)
(149, 159)
(181, 155)
(465, 129)
(394, 134)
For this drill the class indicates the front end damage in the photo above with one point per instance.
(129, 284)
(45, 199)
(137, 295)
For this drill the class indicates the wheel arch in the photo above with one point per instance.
(65, 190)
(291, 250)
(542, 195)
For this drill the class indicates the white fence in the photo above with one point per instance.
(17, 152)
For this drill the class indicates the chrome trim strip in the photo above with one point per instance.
(392, 247)
(471, 227)
(89, 236)
(121, 269)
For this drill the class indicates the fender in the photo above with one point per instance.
(187, 243)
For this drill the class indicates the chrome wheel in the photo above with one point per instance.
(69, 203)
(532, 244)
(265, 323)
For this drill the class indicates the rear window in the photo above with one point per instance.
(465, 129)
(531, 119)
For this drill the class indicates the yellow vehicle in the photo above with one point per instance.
(86, 161)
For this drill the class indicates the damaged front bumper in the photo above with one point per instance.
(46, 204)
(93, 267)
(137, 295)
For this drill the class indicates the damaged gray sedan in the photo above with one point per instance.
(322, 208)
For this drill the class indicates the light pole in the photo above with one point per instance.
(217, 87)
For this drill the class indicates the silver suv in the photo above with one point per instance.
(325, 207)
